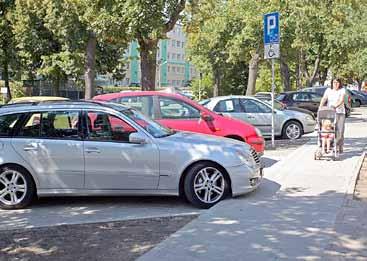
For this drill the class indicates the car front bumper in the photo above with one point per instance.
(309, 127)
(244, 179)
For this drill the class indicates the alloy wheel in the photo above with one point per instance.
(293, 131)
(209, 185)
(13, 187)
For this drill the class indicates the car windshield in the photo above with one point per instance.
(154, 128)
(277, 105)
(204, 102)
(280, 97)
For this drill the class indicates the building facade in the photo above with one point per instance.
(173, 69)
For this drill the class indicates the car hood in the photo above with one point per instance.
(295, 114)
(202, 139)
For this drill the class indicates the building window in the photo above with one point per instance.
(168, 68)
(183, 44)
(178, 56)
(173, 43)
(173, 56)
(168, 54)
(173, 69)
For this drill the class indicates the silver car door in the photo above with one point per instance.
(257, 113)
(111, 162)
(51, 145)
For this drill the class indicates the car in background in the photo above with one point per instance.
(288, 124)
(281, 106)
(36, 99)
(264, 95)
(348, 101)
(359, 98)
(114, 150)
(180, 113)
(301, 99)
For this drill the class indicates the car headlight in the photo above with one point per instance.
(309, 118)
(245, 157)
(258, 132)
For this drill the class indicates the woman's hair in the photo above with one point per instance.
(339, 81)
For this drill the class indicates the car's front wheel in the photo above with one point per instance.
(17, 188)
(292, 130)
(205, 185)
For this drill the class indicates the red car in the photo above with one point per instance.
(180, 113)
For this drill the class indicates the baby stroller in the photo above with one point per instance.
(326, 114)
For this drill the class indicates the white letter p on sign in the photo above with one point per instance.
(271, 23)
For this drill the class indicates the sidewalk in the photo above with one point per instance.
(290, 217)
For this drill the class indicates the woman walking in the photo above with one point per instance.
(334, 97)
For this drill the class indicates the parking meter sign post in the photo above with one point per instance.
(272, 51)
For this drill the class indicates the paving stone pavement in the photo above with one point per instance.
(302, 211)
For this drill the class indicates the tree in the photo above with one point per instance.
(149, 22)
(7, 50)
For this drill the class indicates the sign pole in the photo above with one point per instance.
(272, 105)
(272, 51)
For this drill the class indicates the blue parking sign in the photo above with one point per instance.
(271, 28)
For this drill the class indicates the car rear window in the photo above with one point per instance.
(7, 124)
(281, 97)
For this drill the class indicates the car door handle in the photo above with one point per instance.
(31, 147)
(251, 117)
(92, 150)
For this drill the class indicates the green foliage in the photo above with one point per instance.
(263, 82)
(16, 87)
(202, 89)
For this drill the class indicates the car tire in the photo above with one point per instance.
(292, 130)
(357, 103)
(17, 189)
(205, 185)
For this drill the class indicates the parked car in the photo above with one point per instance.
(97, 148)
(305, 100)
(264, 95)
(359, 98)
(36, 99)
(281, 106)
(348, 102)
(180, 113)
(288, 124)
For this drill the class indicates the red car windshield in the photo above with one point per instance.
(154, 128)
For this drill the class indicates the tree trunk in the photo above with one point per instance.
(359, 84)
(90, 63)
(323, 76)
(252, 73)
(6, 76)
(286, 77)
(148, 63)
(56, 88)
(217, 82)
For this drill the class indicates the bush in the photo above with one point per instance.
(205, 89)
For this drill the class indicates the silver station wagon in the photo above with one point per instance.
(86, 148)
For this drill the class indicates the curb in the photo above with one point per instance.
(353, 180)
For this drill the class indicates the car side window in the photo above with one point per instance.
(32, 126)
(301, 97)
(225, 106)
(106, 127)
(176, 109)
(60, 125)
(251, 106)
(54, 125)
(315, 98)
(143, 104)
(7, 124)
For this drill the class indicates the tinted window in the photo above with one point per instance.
(225, 106)
(251, 106)
(32, 126)
(315, 97)
(301, 97)
(143, 104)
(176, 109)
(7, 124)
(106, 127)
(60, 125)
(281, 97)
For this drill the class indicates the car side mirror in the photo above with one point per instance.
(206, 117)
(137, 138)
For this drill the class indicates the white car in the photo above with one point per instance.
(288, 124)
